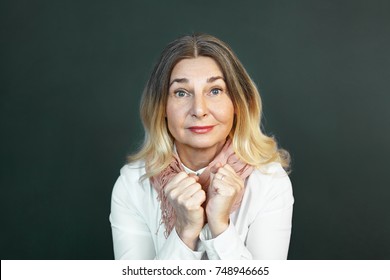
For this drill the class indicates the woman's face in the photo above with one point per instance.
(199, 110)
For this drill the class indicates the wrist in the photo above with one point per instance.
(189, 237)
(217, 226)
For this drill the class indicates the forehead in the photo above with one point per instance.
(198, 67)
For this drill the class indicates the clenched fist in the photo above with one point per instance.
(186, 196)
(224, 188)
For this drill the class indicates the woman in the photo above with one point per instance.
(207, 183)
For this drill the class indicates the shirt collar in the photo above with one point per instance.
(189, 171)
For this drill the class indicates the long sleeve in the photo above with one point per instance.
(269, 234)
(259, 229)
(132, 238)
(226, 246)
(175, 249)
(265, 232)
(135, 222)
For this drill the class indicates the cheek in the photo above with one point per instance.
(173, 119)
(170, 112)
(225, 113)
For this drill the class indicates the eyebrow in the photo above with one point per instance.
(180, 81)
(213, 79)
(185, 80)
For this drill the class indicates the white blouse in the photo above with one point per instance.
(259, 229)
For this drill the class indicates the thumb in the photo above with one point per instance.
(215, 167)
(193, 175)
(213, 171)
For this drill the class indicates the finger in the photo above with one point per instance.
(224, 176)
(213, 170)
(224, 189)
(215, 167)
(228, 172)
(227, 180)
(199, 196)
(176, 179)
(177, 187)
(193, 175)
(229, 168)
(191, 190)
(224, 179)
(196, 198)
(191, 200)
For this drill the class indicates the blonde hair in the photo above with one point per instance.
(250, 144)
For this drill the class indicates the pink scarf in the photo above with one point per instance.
(227, 155)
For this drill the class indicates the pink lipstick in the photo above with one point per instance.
(201, 129)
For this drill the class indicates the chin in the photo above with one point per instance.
(204, 144)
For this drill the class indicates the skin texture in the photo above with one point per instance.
(200, 116)
(198, 97)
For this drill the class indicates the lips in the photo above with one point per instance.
(201, 129)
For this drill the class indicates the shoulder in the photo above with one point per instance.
(272, 173)
(268, 188)
(270, 180)
(133, 170)
(129, 180)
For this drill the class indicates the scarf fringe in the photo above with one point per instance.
(227, 155)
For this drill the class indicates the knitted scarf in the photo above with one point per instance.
(227, 155)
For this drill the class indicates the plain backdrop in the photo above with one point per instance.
(71, 76)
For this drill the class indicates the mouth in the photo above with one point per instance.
(201, 129)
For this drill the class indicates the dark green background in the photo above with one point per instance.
(71, 77)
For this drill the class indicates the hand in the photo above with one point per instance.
(186, 196)
(224, 187)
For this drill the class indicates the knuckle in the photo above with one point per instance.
(170, 197)
(173, 194)
(181, 201)
(202, 195)
(191, 180)
(231, 191)
(187, 204)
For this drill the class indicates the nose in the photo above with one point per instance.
(199, 106)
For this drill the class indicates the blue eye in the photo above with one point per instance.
(215, 91)
(180, 93)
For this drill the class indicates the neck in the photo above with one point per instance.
(197, 158)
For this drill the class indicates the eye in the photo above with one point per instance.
(215, 91)
(180, 93)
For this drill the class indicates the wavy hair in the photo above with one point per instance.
(250, 144)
